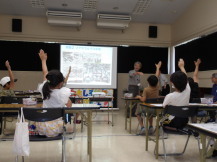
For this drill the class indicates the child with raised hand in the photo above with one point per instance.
(193, 82)
(152, 91)
(54, 95)
(7, 82)
(180, 97)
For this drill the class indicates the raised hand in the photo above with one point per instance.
(7, 64)
(158, 65)
(198, 62)
(181, 63)
(195, 75)
(42, 55)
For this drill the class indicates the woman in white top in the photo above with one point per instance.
(54, 95)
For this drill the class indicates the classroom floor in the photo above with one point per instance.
(110, 144)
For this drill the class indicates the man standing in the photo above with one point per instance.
(134, 79)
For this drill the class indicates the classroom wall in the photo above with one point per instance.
(199, 19)
(37, 29)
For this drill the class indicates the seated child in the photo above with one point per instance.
(54, 95)
(7, 82)
(180, 97)
(152, 91)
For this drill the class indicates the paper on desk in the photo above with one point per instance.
(157, 105)
(211, 127)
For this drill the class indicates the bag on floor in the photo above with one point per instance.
(21, 137)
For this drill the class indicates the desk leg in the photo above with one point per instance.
(157, 133)
(108, 115)
(146, 128)
(1, 125)
(126, 108)
(89, 135)
(203, 149)
(131, 105)
(112, 117)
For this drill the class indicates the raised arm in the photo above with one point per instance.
(181, 65)
(67, 76)
(195, 75)
(158, 66)
(43, 57)
(7, 64)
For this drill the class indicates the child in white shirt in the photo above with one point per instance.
(54, 95)
(180, 97)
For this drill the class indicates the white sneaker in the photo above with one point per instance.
(142, 131)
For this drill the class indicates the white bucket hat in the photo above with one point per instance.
(5, 80)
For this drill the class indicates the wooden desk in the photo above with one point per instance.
(129, 104)
(208, 129)
(159, 109)
(80, 108)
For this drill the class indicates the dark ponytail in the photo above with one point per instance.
(54, 77)
(46, 91)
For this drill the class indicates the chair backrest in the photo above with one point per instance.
(43, 114)
(11, 100)
(181, 111)
(155, 100)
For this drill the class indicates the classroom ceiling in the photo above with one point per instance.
(147, 11)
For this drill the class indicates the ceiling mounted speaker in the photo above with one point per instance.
(113, 21)
(64, 18)
(152, 32)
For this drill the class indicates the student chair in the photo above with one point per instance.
(44, 115)
(181, 112)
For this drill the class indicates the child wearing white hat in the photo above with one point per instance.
(7, 82)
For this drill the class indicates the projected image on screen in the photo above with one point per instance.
(92, 66)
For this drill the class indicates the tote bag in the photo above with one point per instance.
(21, 137)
